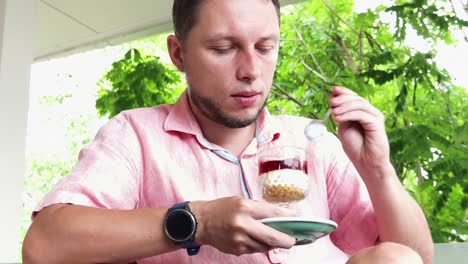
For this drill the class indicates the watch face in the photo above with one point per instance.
(180, 225)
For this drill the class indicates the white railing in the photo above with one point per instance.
(450, 253)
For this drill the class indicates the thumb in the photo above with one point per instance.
(266, 210)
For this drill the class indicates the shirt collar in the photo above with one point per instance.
(268, 128)
(181, 119)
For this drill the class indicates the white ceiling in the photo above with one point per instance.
(65, 27)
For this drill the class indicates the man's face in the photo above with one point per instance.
(229, 58)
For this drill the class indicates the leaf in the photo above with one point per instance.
(136, 81)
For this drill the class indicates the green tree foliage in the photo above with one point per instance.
(432, 19)
(136, 81)
(325, 42)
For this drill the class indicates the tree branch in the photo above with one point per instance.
(329, 6)
(299, 35)
(360, 57)
(323, 78)
(465, 7)
(420, 178)
(289, 96)
(447, 105)
(349, 57)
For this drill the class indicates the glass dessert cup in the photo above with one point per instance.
(283, 175)
(283, 180)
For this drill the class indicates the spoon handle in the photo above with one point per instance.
(327, 115)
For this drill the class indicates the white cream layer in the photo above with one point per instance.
(289, 177)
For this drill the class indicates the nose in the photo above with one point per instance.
(248, 69)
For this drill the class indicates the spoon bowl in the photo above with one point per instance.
(316, 127)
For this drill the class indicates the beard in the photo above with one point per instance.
(215, 112)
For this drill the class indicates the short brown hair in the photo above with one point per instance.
(185, 15)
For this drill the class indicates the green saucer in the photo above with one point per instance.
(306, 230)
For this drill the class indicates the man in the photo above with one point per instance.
(127, 198)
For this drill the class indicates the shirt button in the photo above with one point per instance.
(261, 139)
(276, 250)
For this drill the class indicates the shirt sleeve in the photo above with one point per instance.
(107, 173)
(349, 202)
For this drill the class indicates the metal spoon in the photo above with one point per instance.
(316, 127)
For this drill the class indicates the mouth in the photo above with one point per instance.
(246, 94)
(247, 98)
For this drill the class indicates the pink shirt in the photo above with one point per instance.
(156, 157)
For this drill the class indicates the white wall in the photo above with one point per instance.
(16, 49)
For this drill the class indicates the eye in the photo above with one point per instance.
(265, 48)
(223, 49)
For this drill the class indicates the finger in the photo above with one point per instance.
(339, 90)
(244, 244)
(367, 120)
(355, 103)
(261, 232)
(269, 236)
(257, 246)
(261, 210)
(342, 98)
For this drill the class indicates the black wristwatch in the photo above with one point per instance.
(180, 226)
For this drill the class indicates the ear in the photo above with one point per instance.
(174, 47)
